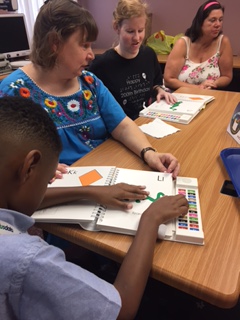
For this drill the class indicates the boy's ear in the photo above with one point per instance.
(31, 161)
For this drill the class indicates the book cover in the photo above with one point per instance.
(234, 125)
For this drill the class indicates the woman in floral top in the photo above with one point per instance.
(82, 108)
(203, 57)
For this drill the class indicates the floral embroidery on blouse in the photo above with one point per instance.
(85, 132)
(51, 103)
(89, 79)
(24, 92)
(77, 109)
(73, 105)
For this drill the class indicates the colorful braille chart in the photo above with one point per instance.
(189, 225)
(187, 228)
(167, 117)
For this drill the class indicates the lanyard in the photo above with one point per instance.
(7, 229)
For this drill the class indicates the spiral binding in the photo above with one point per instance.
(115, 175)
(99, 210)
(110, 177)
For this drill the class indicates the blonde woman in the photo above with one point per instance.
(131, 70)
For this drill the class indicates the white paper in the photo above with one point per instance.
(158, 128)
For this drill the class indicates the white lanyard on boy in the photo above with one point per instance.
(7, 229)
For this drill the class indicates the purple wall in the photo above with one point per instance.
(172, 16)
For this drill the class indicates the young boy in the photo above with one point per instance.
(36, 281)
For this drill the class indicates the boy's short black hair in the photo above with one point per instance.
(25, 121)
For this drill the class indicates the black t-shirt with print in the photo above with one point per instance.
(129, 80)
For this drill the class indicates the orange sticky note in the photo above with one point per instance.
(90, 177)
(195, 98)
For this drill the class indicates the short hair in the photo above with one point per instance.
(56, 21)
(127, 9)
(195, 31)
(27, 122)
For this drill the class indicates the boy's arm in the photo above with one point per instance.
(133, 274)
(112, 196)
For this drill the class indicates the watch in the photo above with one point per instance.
(155, 88)
(144, 150)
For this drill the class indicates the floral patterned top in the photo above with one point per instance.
(84, 119)
(196, 73)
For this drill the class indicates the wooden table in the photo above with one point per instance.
(209, 272)
(236, 62)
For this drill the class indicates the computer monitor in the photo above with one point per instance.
(14, 40)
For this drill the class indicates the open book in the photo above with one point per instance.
(182, 111)
(95, 217)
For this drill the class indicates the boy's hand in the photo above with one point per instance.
(116, 196)
(167, 208)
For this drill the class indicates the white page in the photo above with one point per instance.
(83, 176)
(179, 107)
(73, 212)
(193, 97)
(157, 183)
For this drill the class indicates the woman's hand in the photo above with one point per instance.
(129, 134)
(208, 84)
(163, 162)
(61, 169)
(162, 94)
